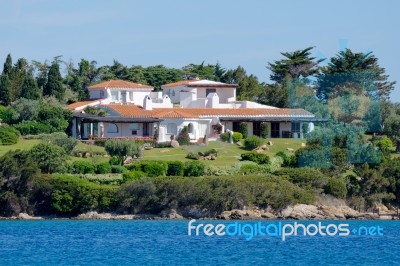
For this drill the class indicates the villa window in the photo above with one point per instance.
(190, 128)
(208, 91)
(112, 128)
(295, 127)
(173, 92)
(114, 95)
(134, 127)
(171, 129)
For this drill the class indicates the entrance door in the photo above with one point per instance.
(274, 130)
(146, 129)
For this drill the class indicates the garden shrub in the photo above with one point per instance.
(165, 144)
(49, 157)
(336, 187)
(132, 175)
(194, 168)
(61, 139)
(103, 168)
(288, 159)
(175, 168)
(304, 176)
(244, 129)
(183, 137)
(224, 136)
(8, 135)
(153, 169)
(32, 128)
(83, 167)
(259, 158)
(253, 142)
(264, 130)
(209, 152)
(118, 169)
(237, 136)
(114, 160)
(247, 169)
(193, 156)
(123, 148)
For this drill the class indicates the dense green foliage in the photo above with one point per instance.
(122, 149)
(253, 142)
(8, 135)
(236, 136)
(49, 157)
(183, 137)
(244, 129)
(259, 158)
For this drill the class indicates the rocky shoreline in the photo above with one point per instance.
(323, 209)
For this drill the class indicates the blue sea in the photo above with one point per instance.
(72, 242)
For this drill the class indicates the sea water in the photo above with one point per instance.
(139, 242)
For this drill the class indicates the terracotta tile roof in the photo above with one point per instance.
(137, 111)
(76, 105)
(117, 84)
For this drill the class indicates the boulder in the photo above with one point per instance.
(264, 147)
(303, 144)
(25, 216)
(174, 144)
(270, 143)
(290, 149)
(170, 214)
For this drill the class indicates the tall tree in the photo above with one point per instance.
(5, 90)
(356, 73)
(40, 72)
(30, 89)
(297, 64)
(17, 77)
(7, 65)
(54, 85)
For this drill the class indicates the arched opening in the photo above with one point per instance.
(112, 128)
(191, 128)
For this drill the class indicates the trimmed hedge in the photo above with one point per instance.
(194, 168)
(175, 168)
(237, 136)
(151, 168)
(103, 168)
(132, 175)
(118, 169)
(83, 167)
(253, 142)
(259, 158)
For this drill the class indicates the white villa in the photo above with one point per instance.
(136, 111)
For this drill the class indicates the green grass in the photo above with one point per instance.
(228, 154)
(21, 145)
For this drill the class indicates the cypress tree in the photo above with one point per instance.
(7, 65)
(30, 89)
(54, 84)
(5, 90)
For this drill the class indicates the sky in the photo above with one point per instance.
(176, 33)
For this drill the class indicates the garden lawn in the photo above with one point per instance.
(228, 154)
(23, 144)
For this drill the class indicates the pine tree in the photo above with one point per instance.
(30, 89)
(7, 65)
(5, 90)
(54, 85)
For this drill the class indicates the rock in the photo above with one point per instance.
(239, 144)
(290, 149)
(79, 154)
(264, 147)
(86, 155)
(213, 157)
(303, 144)
(268, 215)
(170, 214)
(25, 216)
(129, 160)
(174, 144)
(270, 143)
